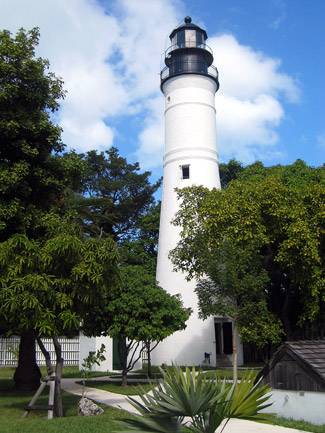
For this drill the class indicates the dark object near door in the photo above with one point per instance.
(227, 338)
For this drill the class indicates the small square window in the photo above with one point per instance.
(185, 171)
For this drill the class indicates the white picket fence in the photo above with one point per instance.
(9, 351)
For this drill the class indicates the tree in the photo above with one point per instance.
(273, 216)
(229, 171)
(114, 195)
(32, 178)
(30, 174)
(148, 234)
(54, 286)
(234, 287)
(141, 314)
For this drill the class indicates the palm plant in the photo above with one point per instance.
(188, 400)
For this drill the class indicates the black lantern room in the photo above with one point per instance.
(188, 53)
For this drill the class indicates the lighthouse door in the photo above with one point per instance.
(223, 341)
(227, 338)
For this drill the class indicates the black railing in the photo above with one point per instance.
(189, 67)
(187, 44)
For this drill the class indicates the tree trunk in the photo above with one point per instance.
(124, 378)
(123, 353)
(47, 356)
(149, 359)
(27, 375)
(58, 407)
(234, 352)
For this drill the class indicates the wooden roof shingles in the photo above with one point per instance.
(308, 354)
(311, 352)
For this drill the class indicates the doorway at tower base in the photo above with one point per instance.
(203, 343)
(224, 335)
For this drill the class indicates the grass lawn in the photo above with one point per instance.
(12, 405)
(226, 373)
(117, 388)
(299, 425)
(68, 371)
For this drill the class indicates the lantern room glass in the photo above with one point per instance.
(188, 38)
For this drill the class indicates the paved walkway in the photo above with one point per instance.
(121, 402)
(105, 397)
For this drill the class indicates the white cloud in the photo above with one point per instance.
(109, 57)
(246, 73)
(250, 100)
(78, 38)
(151, 137)
(145, 25)
(247, 127)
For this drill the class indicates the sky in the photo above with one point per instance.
(270, 57)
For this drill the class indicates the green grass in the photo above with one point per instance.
(226, 373)
(210, 371)
(117, 388)
(12, 405)
(69, 371)
(299, 425)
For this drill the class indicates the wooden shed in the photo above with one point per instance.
(298, 366)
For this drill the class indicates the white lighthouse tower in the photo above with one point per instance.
(189, 83)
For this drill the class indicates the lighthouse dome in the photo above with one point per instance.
(188, 53)
(188, 32)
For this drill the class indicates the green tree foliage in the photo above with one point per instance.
(142, 250)
(54, 285)
(229, 171)
(193, 403)
(142, 313)
(30, 174)
(52, 282)
(263, 237)
(149, 229)
(33, 177)
(115, 195)
(235, 288)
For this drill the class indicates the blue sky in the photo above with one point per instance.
(269, 54)
(294, 32)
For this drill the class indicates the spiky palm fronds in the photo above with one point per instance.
(188, 399)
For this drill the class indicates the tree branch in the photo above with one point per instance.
(132, 363)
(47, 356)
(153, 347)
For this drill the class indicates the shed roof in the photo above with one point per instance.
(308, 353)
(312, 352)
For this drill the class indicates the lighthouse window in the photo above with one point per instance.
(190, 38)
(185, 171)
(199, 38)
(181, 38)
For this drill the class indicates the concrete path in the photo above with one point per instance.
(105, 397)
(121, 402)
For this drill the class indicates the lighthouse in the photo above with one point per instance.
(189, 83)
